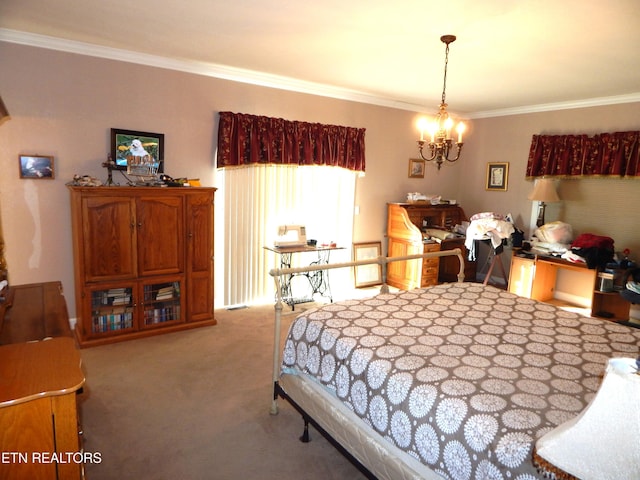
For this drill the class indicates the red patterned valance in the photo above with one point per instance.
(606, 154)
(250, 139)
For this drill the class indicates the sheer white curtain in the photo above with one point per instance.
(253, 201)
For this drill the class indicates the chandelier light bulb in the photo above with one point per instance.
(460, 129)
(448, 124)
(423, 125)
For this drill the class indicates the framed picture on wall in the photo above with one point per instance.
(37, 167)
(416, 168)
(497, 176)
(367, 275)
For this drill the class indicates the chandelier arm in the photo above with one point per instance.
(431, 147)
(458, 152)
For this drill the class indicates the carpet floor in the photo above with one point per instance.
(195, 405)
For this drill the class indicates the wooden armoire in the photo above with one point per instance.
(143, 260)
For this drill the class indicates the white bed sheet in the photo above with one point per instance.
(384, 460)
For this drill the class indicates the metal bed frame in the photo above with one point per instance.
(278, 391)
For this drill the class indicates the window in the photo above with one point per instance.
(253, 201)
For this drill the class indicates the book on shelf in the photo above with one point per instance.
(164, 293)
(121, 300)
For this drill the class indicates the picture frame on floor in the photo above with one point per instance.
(367, 275)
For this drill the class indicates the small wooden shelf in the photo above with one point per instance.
(610, 305)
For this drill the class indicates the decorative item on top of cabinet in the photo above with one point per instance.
(143, 261)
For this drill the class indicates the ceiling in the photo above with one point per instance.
(511, 56)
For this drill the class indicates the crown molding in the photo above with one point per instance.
(550, 107)
(251, 77)
(223, 72)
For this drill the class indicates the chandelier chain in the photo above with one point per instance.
(444, 85)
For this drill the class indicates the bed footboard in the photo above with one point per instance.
(382, 261)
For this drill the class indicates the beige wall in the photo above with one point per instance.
(591, 205)
(64, 105)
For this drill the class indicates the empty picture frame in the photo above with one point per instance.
(37, 167)
(367, 275)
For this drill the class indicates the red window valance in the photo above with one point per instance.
(250, 139)
(606, 154)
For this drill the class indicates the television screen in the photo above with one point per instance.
(139, 153)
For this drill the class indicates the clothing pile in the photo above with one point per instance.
(594, 250)
(487, 226)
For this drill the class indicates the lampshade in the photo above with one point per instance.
(3, 110)
(544, 190)
(602, 442)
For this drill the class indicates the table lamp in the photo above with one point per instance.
(601, 442)
(544, 191)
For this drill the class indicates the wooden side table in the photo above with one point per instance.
(38, 410)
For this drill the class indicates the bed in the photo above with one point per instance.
(455, 381)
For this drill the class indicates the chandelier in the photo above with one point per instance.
(439, 130)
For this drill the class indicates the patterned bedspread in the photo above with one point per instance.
(463, 377)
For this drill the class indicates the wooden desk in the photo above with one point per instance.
(405, 223)
(535, 276)
(33, 312)
(38, 410)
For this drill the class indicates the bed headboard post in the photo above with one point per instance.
(382, 261)
(461, 258)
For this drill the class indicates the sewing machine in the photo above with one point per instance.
(291, 236)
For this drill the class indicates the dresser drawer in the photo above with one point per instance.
(430, 262)
(430, 266)
(430, 271)
(430, 247)
(429, 278)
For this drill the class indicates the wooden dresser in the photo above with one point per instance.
(40, 375)
(405, 225)
(33, 312)
(39, 433)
